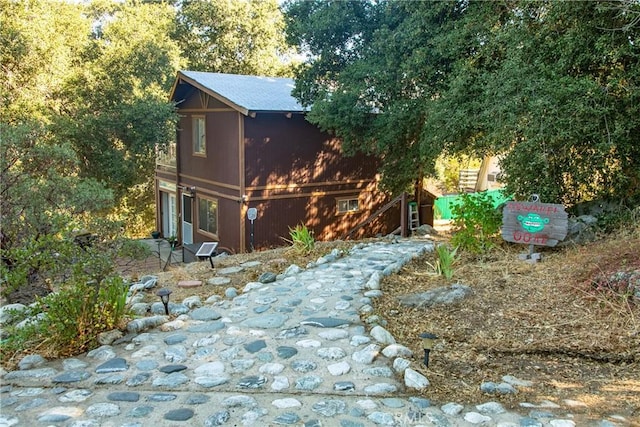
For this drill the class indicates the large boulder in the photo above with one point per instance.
(444, 295)
(580, 230)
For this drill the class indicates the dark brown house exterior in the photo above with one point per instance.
(243, 142)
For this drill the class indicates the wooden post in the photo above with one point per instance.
(404, 215)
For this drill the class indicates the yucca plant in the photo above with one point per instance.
(302, 238)
(445, 260)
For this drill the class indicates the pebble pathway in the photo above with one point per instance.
(292, 351)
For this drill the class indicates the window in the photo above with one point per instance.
(199, 136)
(208, 216)
(348, 205)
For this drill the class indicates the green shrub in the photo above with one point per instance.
(69, 321)
(56, 259)
(619, 218)
(476, 223)
(302, 239)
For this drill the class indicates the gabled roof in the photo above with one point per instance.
(247, 94)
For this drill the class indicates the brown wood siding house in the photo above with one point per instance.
(243, 142)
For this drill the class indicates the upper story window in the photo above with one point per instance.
(348, 205)
(199, 136)
(208, 215)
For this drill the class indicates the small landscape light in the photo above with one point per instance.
(427, 345)
(164, 296)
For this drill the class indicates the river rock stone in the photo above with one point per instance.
(414, 379)
(330, 407)
(124, 396)
(31, 361)
(217, 419)
(117, 364)
(444, 295)
(270, 321)
(325, 322)
(181, 414)
(204, 314)
(340, 368)
(381, 335)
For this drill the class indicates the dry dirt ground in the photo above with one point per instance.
(559, 323)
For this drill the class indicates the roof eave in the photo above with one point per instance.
(194, 83)
(253, 113)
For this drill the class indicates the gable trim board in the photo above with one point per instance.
(202, 88)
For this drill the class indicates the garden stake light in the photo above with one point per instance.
(427, 345)
(164, 296)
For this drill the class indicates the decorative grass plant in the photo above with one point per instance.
(302, 238)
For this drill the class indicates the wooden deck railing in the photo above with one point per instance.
(402, 199)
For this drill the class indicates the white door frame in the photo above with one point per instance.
(187, 219)
(169, 214)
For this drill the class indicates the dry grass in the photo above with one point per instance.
(542, 322)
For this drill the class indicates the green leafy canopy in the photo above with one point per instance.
(550, 87)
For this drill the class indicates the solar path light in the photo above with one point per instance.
(164, 296)
(427, 345)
